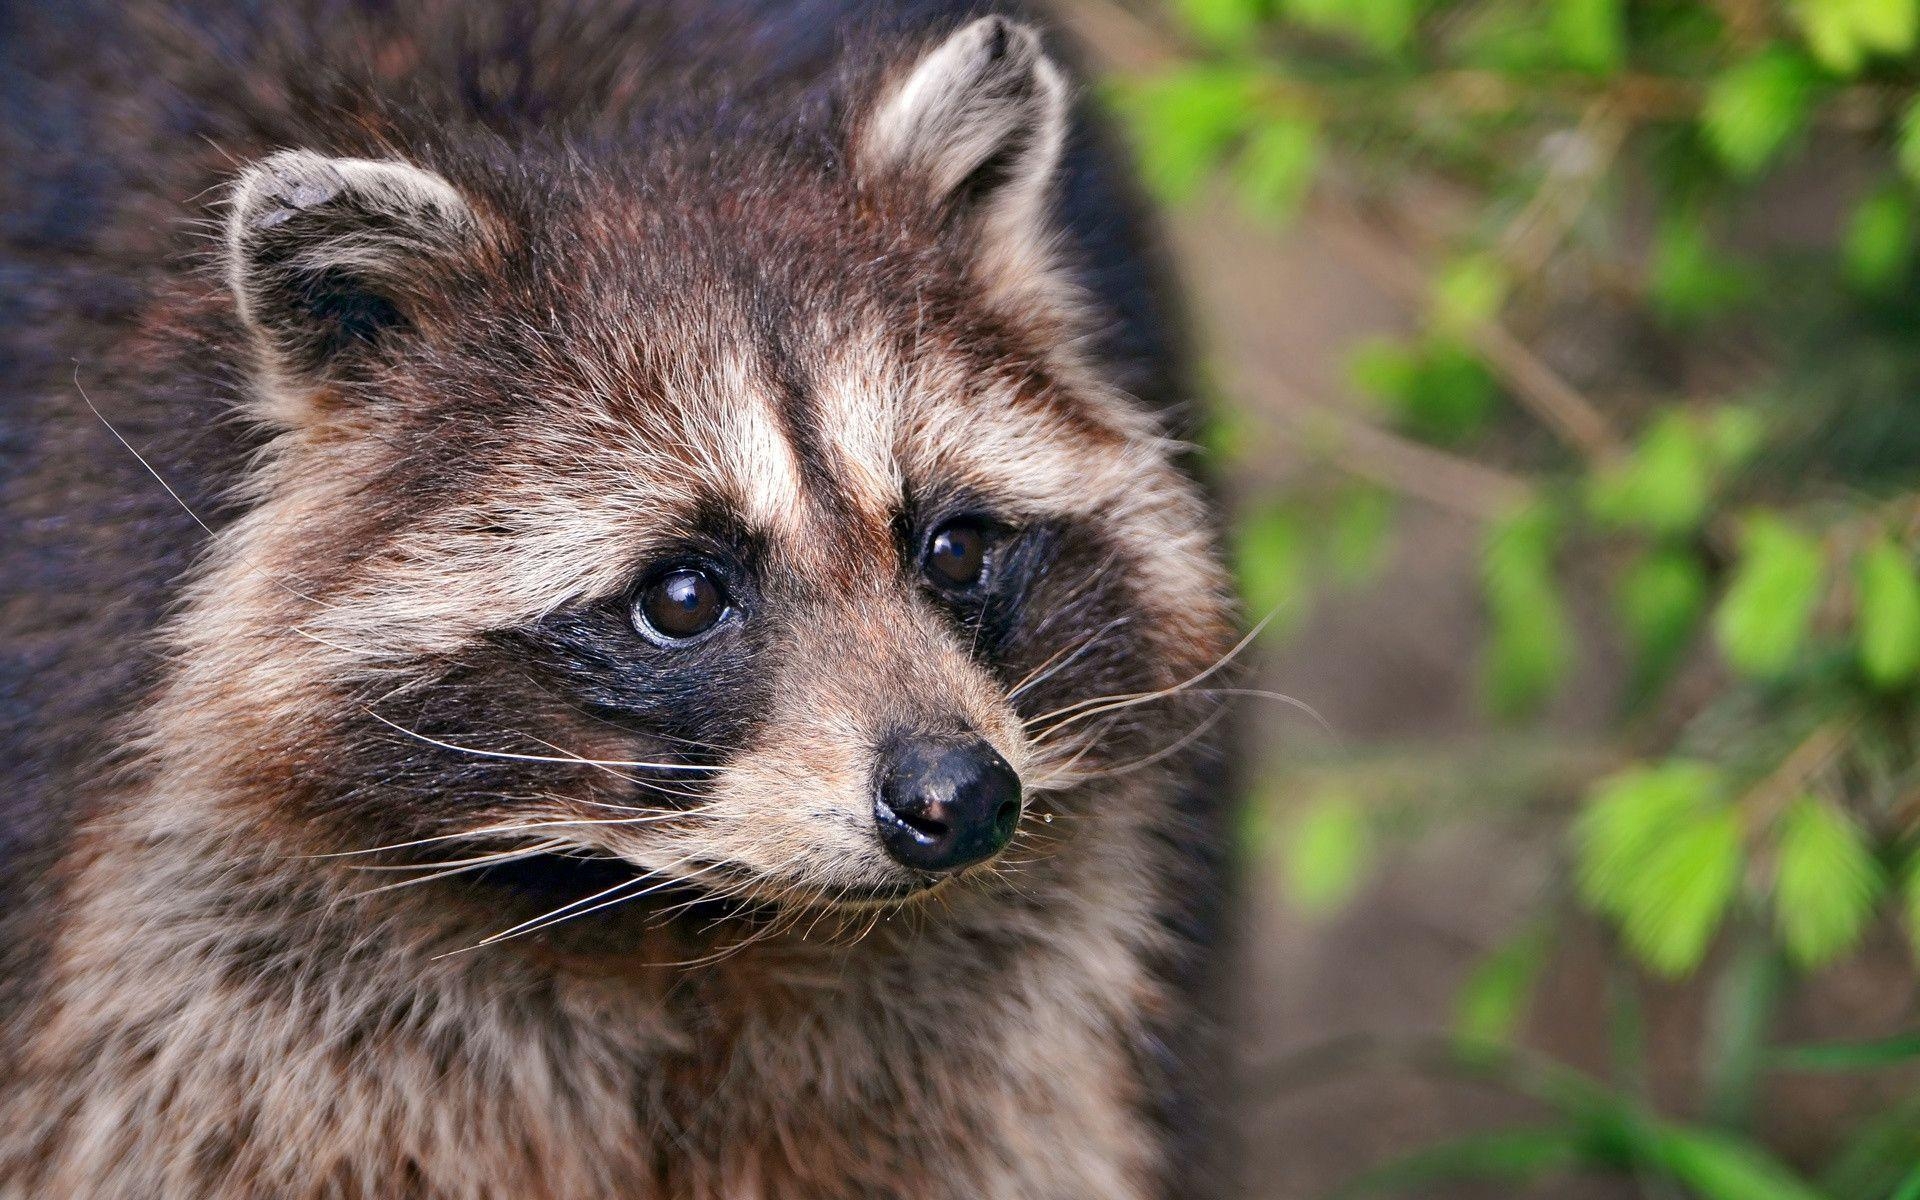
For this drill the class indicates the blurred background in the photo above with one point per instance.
(1565, 357)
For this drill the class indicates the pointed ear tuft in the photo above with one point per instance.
(322, 253)
(979, 121)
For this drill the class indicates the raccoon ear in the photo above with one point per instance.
(980, 121)
(322, 253)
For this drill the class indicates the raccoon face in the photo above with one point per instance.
(742, 511)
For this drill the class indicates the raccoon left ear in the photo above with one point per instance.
(326, 258)
(979, 121)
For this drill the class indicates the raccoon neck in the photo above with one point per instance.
(288, 1041)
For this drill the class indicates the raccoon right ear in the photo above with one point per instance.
(979, 122)
(323, 255)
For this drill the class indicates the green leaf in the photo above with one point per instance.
(1184, 123)
(1531, 646)
(1907, 141)
(1383, 368)
(1453, 394)
(1878, 247)
(1885, 26)
(1742, 998)
(1896, 1051)
(1660, 852)
(1226, 23)
(1383, 25)
(1843, 33)
(1359, 534)
(1909, 1188)
(1276, 167)
(1514, 1156)
(1493, 1000)
(1664, 486)
(1270, 553)
(1675, 909)
(1687, 278)
(1910, 898)
(1888, 618)
(1661, 599)
(1590, 34)
(1437, 390)
(1326, 851)
(1631, 813)
(1734, 434)
(1529, 652)
(1230, 431)
(1763, 620)
(1468, 293)
(1828, 29)
(1877, 1153)
(1718, 1167)
(1826, 883)
(1752, 109)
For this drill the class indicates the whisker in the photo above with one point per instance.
(1181, 743)
(535, 922)
(475, 864)
(1087, 747)
(1281, 697)
(1105, 703)
(620, 775)
(1050, 668)
(600, 720)
(496, 830)
(496, 856)
(560, 915)
(630, 808)
(184, 506)
(541, 758)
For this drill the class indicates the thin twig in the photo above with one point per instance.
(1764, 801)
(1421, 472)
(1542, 390)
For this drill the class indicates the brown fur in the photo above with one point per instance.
(625, 303)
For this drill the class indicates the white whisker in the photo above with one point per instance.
(497, 830)
(473, 864)
(571, 760)
(1099, 704)
(1054, 780)
(1050, 668)
(561, 915)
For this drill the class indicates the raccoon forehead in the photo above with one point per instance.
(796, 430)
(1055, 446)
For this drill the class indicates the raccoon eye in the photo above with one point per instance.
(679, 604)
(956, 554)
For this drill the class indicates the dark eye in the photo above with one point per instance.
(682, 603)
(957, 554)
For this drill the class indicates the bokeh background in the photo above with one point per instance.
(1565, 362)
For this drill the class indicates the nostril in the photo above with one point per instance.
(1008, 813)
(931, 828)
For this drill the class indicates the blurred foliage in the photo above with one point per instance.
(1736, 488)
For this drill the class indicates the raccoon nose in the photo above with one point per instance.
(942, 805)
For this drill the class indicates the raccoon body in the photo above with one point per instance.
(598, 602)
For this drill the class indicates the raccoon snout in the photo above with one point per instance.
(943, 804)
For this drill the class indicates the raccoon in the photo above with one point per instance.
(601, 599)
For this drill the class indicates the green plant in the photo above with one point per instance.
(1756, 537)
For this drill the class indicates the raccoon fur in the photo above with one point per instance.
(599, 600)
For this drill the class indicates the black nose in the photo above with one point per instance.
(942, 805)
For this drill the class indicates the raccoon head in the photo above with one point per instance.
(742, 509)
